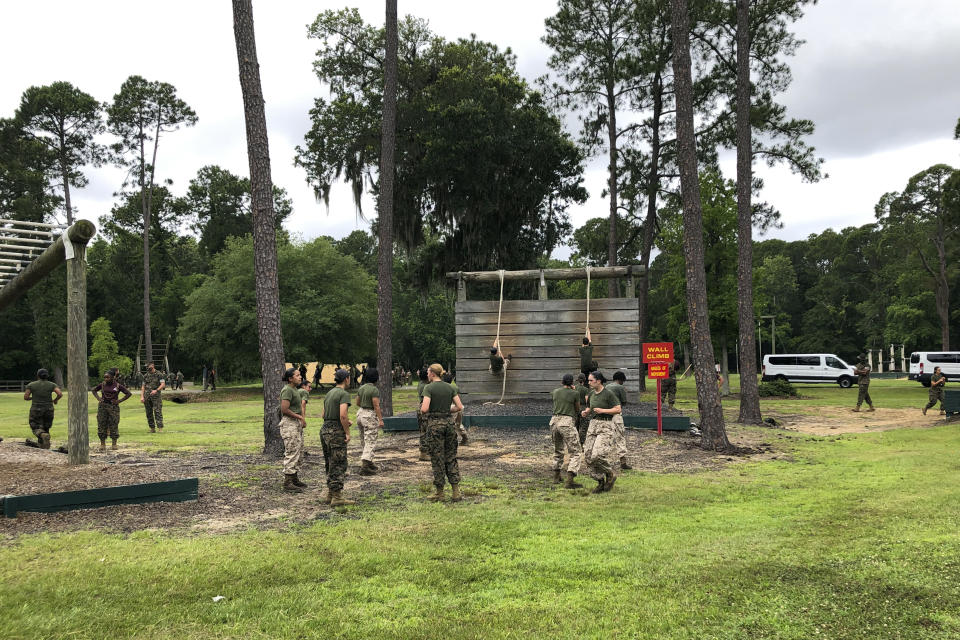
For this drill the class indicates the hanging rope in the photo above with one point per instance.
(587, 329)
(506, 363)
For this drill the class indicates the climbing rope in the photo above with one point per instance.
(506, 362)
(587, 329)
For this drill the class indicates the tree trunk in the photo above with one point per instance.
(264, 231)
(385, 206)
(147, 338)
(749, 389)
(58, 377)
(650, 222)
(724, 366)
(66, 178)
(78, 439)
(942, 298)
(612, 186)
(708, 398)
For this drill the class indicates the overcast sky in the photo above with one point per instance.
(880, 78)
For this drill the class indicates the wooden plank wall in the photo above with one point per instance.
(543, 336)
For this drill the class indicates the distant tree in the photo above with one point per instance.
(104, 351)
(362, 247)
(595, 55)
(590, 242)
(708, 400)
(926, 217)
(66, 120)
(269, 328)
(140, 114)
(482, 164)
(27, 167)
(218, 206)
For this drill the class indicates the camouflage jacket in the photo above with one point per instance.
(152, 381)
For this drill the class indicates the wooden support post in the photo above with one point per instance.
(461, 288)
(78, 448)
(543, 287)
(631, 289)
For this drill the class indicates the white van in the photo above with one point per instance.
(808, 368)
(923, 362)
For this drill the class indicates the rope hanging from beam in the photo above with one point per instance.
(506, 363)
(587, 329)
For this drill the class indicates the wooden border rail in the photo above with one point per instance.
(169, 491)
(409, 423)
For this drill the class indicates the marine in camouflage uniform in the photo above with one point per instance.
(668, 386)
(108, 409)
(441, 433)
(40, 394)
(456, 414)
(863, 380)
(563, 432)
(583, 395)
(421, 417)
(369, 419)
(600, 448)
(937, 382)
(153, 380)
(334, 435)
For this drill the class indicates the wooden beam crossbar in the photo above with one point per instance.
(576, 273)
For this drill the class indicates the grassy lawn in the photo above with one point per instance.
(842, 537)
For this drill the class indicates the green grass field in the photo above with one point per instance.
(842, 537)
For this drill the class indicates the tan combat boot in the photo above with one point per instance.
(464, 441)
(298, 482)
(570, 484)
(437, 495)
(114, 446)
(367, 468)
(337, 500)
(624, 464)
(288, 484)
(608, 482)
(103, 445)
(456, 496)
(326, 497)
(556, 476)
(599, 487)
(44, 439)
(424, 457)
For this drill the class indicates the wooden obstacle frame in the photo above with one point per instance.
(670, 423)
(543, 335)
(168, 491)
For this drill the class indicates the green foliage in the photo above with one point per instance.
(27, 167)
(327, 307)
(104, 352)
(482, 164)
(590, 241)
(777, 388)
(217, 206)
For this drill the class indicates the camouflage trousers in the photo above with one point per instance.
(369, 429)
(936, 395)
(154, 408)
(40, 420)
(108, 420)
(334, 442)
(620, 431)
(291, 432)
(600, 449)
(442, 446)
(422, 423)
(564, 434)
(458, 420)
(864, 395)
(582, 425)
(668, 390)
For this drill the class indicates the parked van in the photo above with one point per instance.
(808, 368)
(923, 362)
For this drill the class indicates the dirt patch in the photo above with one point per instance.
(837, 420)
(242, 491)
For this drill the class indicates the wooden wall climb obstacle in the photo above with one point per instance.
(543, 335)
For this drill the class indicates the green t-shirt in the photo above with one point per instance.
(41, 393)
(606, 399)
(620, 392)
(586, 356)
(420, 387)
(441, 397)
(292, 396)
(583, 393)
(304, 395)
(366, 394)
(331, 404)
(564, 402)
(496, 363)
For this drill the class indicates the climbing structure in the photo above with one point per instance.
(543, 335)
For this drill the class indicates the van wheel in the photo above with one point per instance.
(845, 382)
(782, 377)
(925, 383)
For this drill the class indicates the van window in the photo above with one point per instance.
(833, 362)
(808, 361)
(942, 358)
(914, 358)
(784, 360)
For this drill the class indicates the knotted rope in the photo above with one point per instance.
(506, 363)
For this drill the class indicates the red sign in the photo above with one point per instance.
(657, 352)
(657, 370)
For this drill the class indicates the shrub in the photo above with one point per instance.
(779, 388)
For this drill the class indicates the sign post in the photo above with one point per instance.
(658, 356)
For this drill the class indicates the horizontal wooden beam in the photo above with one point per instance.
(80, 233)
(558, 328)
(522, 376)
(564, 341)
(547, 317)
(169, 491)
(518, 385)
(670, 423)
(552, 351)
(579, 304)
(37, 225)
(577, 273)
